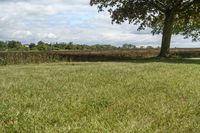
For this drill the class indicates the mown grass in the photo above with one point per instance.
(100, 97)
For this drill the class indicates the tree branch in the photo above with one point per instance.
(159, 5)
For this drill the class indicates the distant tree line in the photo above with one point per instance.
(43, 46)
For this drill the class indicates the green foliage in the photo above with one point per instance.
(59, 46)
(149, 47)
(2, 46)
(14, 45)
(70, 46)
(128, 46)
(100, 97)
(42, 46)
(32, 46)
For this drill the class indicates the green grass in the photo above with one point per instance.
(100, 97)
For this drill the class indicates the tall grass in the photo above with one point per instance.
(107, 55)
(52, 56)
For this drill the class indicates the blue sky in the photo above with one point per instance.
(66, 20)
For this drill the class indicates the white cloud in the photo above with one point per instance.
(22, 34)
(49, 35)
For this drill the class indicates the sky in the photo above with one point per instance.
(71, 21)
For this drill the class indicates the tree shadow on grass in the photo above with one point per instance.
(173, 60)
(137, 59)
(167, 60)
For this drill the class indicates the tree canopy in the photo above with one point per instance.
(163, 16)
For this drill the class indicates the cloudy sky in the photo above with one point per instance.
(70, 20)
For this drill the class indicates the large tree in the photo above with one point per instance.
(167, 17)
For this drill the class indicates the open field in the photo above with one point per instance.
(86, 97)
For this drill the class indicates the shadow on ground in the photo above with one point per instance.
(172, 60)
(167, 60)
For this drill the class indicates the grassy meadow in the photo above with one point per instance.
(137, 96)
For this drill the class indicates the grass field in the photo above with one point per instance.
(100, 97)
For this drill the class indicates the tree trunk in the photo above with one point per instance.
(167, 34)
